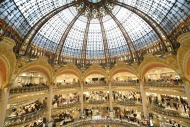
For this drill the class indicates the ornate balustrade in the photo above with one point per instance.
(67, 105)
(67, 86)
(93, 122)
(98, 84)
(96, 102)
(28, 89)
(128, 103)
(164, 111)
(13, 121)
(124, 84)
(164, 84)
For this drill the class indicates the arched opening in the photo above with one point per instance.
(30, 79)
(166, 91)
(124, 78)
(66, 80)
(96, 79)
(126, 97)
(29, 90)
(162, 75)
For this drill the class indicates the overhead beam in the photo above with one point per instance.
(153, 24)
(38, 25)
(65, 34)
(130, 45)
(84, 45)
(105, 42)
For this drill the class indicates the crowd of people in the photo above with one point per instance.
(168, 80)
(59, 100)
(96, 96)
(26, 109)
(37, 123)
(175, 103)
(130, 96)
(64, 118)
(173, 123)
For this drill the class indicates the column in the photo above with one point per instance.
(110, 100)
(110, 97)
(187, 90)
(82, 98)
(3, 105)
(144, 100)
(49, 102)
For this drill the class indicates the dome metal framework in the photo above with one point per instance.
(93, 30)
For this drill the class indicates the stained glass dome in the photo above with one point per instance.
(111, 28)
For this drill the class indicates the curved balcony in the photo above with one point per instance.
(67, 86)
(28, 89)
(117, 83)
(128, 103)
(164, 84)
(17, 120)
(167, 112)
(69, 105)
(95, 84)
(96, 102)
(90, 122)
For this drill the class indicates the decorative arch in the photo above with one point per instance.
(119, 68)
(40, 66)
(4, 71)
(66, 70)
(151, 62)
(185, 65)
(95, 69)
(7, 60)
(183, 55)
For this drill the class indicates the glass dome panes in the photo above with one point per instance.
(51, 32)
(137, 28)
(167, 13)
(22, 15)
(94, 1)
(95, 47)
(73, 44)
(116, 42)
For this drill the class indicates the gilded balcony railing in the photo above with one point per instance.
(28, 89)
(67, 86)
(95, 122)
(69, 105)
(164, 84)
(95, 84)
(18, 120)
(118, 83)
(128, 103)
(168, 112)
(96, 102)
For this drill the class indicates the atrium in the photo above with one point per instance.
(94, 63)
